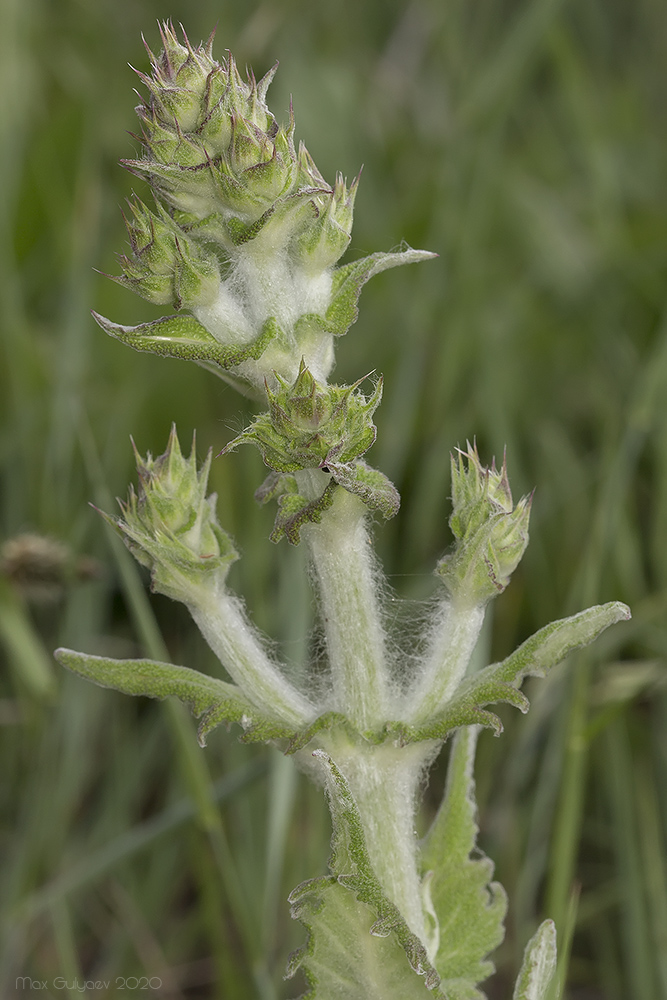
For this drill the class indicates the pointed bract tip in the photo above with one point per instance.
(185, 37)
(173, 436)
(210, 40)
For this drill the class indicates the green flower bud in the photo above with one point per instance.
(310, 425)
(170, 525)
(327, 238)
(491, 533)
(211, 144)
(166, 266)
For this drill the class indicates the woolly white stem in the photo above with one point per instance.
(223, 623)
(384, 781)
(342, 558)
(453, 640)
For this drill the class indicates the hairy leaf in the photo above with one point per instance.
(211, 700)
(328, 721)
(295, 510)
(351, 278)
(554, 642)
(185, 337)
(539, 964)
(500, 681)
(370, 485)
(468, 908)
(359, 945)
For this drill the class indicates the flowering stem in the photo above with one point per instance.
(245, 237)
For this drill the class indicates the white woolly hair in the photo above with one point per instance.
(375, 583)
(427, 626)
(408, 626)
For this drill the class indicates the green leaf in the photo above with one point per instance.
(310, 425)
(467, 907)
(240, 232)
(500, 681)
(351, 278)
(331, 721)
(275, 484)
(184, 337)
(295, 510)
(370, 485)
(359, 946)
(537, 655)
(539, 964)
(323, 723)
(211, 700)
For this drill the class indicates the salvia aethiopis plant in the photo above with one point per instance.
(243, 243)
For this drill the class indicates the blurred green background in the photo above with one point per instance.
(524, 141)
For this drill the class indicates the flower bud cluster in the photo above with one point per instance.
(246, 232)
(165, 265)
(170, 525)
(210, 142)
(309, 425)
(491, 533)
(217, 157)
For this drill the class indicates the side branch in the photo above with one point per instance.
(342, 559)
(223, 623)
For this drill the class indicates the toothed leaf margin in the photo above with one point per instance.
(467, 907)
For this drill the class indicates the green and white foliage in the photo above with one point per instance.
(210, 700)
(171, 527)
(244, 242)
(315, 426)
(393, 914)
